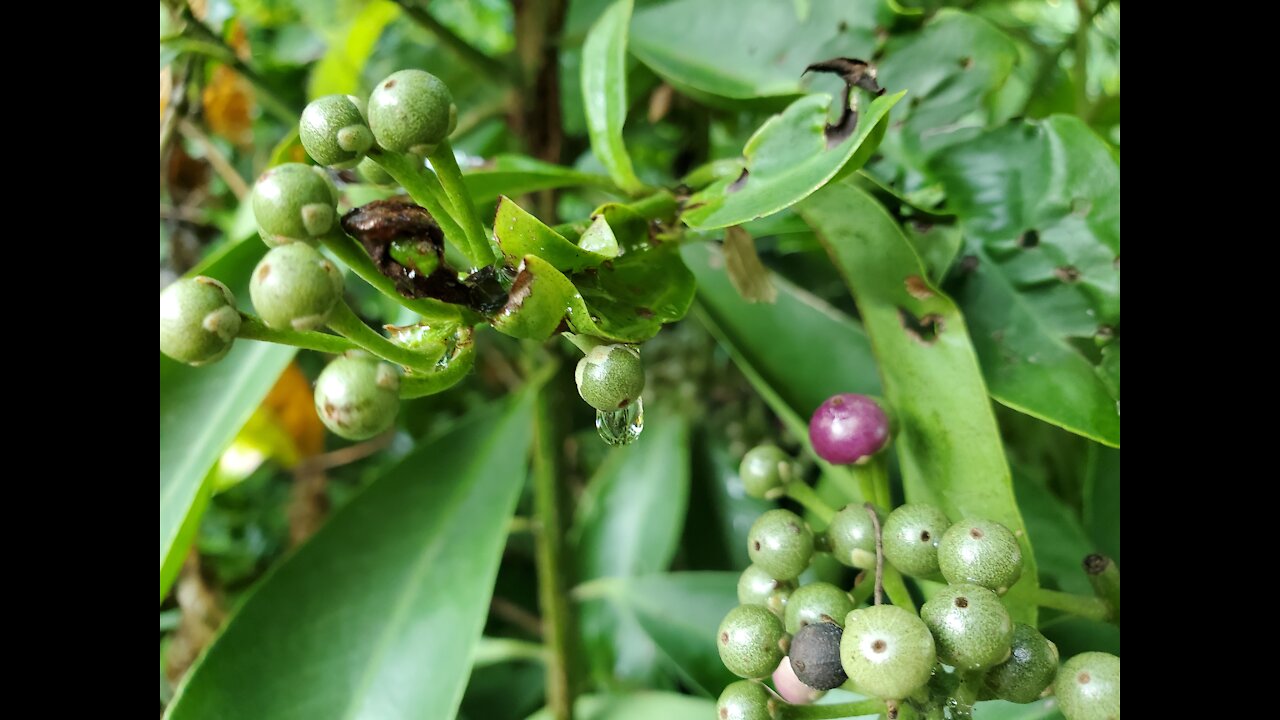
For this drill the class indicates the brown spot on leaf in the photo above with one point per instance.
(966, 63)
(924, 330)
(855, 73)
(918, 288)
(1067, 274)
(1029, 239)
(645, 313)
(738, 184)
(969, 263)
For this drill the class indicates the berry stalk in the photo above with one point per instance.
(446, 167)
(823, 712)
(1084, 606)
(252, 328)
(425, 189)
(345, 323)
(805, 495)
(353, 256)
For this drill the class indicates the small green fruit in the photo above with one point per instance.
(887, 651)
(1088, 687)
(764, 470)
(751, 641)
(852, 537)
(1031, 667)
(334, 132)
(198, 320)
(358, 396)
(294, 287)
(294, 203)
(981, 552)
(817, 602)
(757, 587)
(971, 626)
(911, 536)
(744, 700)
(610, 377)
(411, 111)
(781, 543)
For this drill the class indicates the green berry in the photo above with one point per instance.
(358, 396)
(817, 602)
(294, 203)
(198, 320)
(744, 700)
(1088, 687)
(911, 536)
(411, 111)
(294, 287)
(887, 651)
(1032, 664)
(981, 552)
(610, 377)
(852, 537)
(781, 543)
(764, 470)
(334, 132)
(373, 173)
(815, 656)
(757, 587)
(751, 641)
(972, 629)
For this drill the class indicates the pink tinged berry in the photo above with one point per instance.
(848, 428)
(791, 688)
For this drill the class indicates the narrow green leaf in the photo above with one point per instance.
(949, 446)
(1102, 500)
(202, 409)
(638, 706)
(338, 72)
(604, 92)
(515, 175)
(379, 614)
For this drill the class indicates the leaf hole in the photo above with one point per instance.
(924, 330)
(1029, 239)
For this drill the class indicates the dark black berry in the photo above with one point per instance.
(815, 656)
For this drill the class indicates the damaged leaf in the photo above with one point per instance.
(521, 234)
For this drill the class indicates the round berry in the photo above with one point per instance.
(981, 552)
(791, 688)
(1088, 687)
(1032, 664)
(744, 700)
(358, 396)
(757, 587)
(294, 203)
(848, 428)
(815, 656)
(411, 111)
(610, 377)
(911, 536)
(972, 629)
(887, 651)
(198, 320)
(751, 641)
(781, 543)
(852, 537)
(374, 174)
(294, 287)
(334, 132)
(764, 470)
(817, 602)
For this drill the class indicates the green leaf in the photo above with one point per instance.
(638, 706)
(1102, 500)
(202, 409)
(604, 93)
(949, 446)
(630, 298)
(520, 233)
(338, 72)
(1002, 710)
(380, 613)
(787, 159)
(515, 175)
(1060, 540)
(748, 50)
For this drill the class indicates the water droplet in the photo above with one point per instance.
(621, 427)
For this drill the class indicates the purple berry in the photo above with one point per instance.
(847, 428)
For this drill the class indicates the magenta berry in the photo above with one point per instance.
(848, 428)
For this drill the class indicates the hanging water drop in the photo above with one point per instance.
(621, 427)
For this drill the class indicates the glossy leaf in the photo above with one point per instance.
(949, 446)
(788, 159)
(638, 706)
(748, 50)
(202, 409)
(515, 175)
(604, 92)
(630, 298)
(519, 234)
(379, 614)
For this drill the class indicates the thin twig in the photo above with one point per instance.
(217, 159)
(468, 52)
(347, 455)
(875, 523)
(516, 615)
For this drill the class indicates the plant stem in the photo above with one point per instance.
(446, 167)
(469, 54)
(875, 524)
(252, 328)
(1104, 575)
(825, 712)
(585, 343)
(425, 189)
(554, 563)
(1086, 607)
(896, 589)
(353, 256)
(345, 323)
(803, 494)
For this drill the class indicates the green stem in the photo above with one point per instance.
(551, 509)
(1104, 575)
(825, 712)
(425, 189)
(585, 343)
(803, 494)
(353, 256)
(966, 693)
(345, 323)
(252, 328)
(1082, 605)
(446, 167)
(865, 476)
(469, 54)
(1080, 70)
(896, 588)
(223, 53)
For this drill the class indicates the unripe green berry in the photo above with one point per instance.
(815, 603)
(198, 320)
(781, 543)
(374, 174)
(294, 287)
(334, 132)
(358, 396)
(411, 111)
(911, 536)
(764, 470)
(610, 377)
(852, 537)
(982, 552)
(887, 651)
(751, 641)
(744, 700)
(971, 626)
(1088, 687)
(815, 656)
(757, 587)
(294, 203)
(1032, 664)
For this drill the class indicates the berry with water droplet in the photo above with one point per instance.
(1088, 687)
(198, 320)
(911, 536)
(971, 626)
(781, 543)
(817, 602)
(752, 641)
(1031, 667)
(887, 651)
(982, 552)
(848, 428)
(610, 377)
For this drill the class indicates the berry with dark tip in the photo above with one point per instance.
(744, 700)
(887, 651)
(752, 641)
(764, 470)
(610, 377)
(358, 396)
(757, 587)
(294, 287)
(851, 537)
(815, 656)
(972, 629)
(781, 544)
(334, 132)
(1031, 667)
(911, 536)
(1088, 687)
(411, 111)
(981, 552)
(817, 602)
(294, 203)
(198, 320)
(848, 428)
